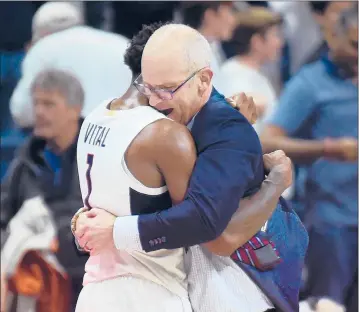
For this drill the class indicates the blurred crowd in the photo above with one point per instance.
(297, 59)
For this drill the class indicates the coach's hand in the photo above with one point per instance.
(94, 230)
(245, 105)
(280, 169)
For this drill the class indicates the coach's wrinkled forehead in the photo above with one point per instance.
(171, 53)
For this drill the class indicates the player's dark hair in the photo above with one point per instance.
(319, 7)
(193, 11)
(134, 51)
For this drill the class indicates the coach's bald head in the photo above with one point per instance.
(173, 54)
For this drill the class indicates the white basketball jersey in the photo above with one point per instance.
(107, 183)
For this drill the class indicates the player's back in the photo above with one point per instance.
(106, 181)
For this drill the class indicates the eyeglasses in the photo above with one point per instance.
(163, 94)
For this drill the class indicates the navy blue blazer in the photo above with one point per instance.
(229, 167)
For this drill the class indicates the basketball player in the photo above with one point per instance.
(149, 158)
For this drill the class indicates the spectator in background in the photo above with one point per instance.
(315, 123)
(301, 32)
(42, 187)
(61, 41)
(325, 13)
(258, 41)
(15, 33)
(215, 20)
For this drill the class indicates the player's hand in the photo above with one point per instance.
(81, 223)
(280, 169)
(94, 231)
(245, 105)
(343, 149)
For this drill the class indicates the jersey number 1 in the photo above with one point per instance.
(88, 179)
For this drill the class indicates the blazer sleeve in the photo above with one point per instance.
(222, 173)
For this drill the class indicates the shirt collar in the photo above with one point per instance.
(190, 124)
(332, 68)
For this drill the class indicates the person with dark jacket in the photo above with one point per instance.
(41, 190)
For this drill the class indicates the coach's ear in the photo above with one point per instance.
(205, 81)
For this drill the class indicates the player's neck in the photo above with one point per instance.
(250, 60)
(60, 144)
(130, 99)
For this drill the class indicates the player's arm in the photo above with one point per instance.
(250, 216)
(255, 210)
(175, 155)
(219, 180)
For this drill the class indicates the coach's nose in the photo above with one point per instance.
(154, 100)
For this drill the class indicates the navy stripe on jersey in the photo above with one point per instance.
(88, 179)
(143, 203)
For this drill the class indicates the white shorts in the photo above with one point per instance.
(129, 294)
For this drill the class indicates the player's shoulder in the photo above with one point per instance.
(165, 129)
(165, 134)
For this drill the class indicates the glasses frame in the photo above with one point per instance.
(156, 91)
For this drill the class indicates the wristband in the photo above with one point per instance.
(75, 217)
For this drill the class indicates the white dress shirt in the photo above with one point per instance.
(93, 56)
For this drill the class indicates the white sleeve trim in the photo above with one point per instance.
(125, 233)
